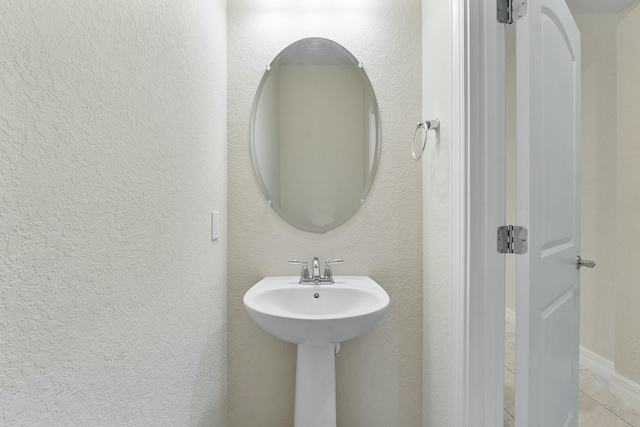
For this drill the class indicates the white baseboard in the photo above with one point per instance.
(510, 316)
(625, 388)
(596, 363)
(618, 384)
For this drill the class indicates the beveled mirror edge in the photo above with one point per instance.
(374, 167)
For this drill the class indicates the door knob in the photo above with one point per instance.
(584, 263)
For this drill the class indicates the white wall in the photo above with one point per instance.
(112, 155)
(598, 183)
(627, 352)
(436, 103)
(379, 374)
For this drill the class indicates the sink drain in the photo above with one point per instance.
(316, 295)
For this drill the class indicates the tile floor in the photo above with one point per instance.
(597, 406)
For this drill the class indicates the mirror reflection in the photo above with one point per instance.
(315, 134)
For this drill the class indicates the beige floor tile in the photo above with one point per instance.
(509, 355)
(597, 388)
(592, 414)
(510, 392)
(508, 420)
(592, 383)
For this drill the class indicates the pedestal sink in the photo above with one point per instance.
(317, 318)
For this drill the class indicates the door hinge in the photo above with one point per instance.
(509, 11)
(512, 239)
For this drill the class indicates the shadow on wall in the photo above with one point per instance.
(211, 382)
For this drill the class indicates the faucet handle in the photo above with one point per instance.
(304, 274)
(328, 274)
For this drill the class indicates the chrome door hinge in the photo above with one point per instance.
(512, 240)
(509, 11)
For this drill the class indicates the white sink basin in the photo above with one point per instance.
(306, 314)
(317, 318)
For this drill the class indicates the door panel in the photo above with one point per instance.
(548, 182)
(558, 177)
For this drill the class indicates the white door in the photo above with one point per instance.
(548, 184)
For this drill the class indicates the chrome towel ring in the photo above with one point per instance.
(433, 124)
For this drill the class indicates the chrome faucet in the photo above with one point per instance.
(316, 278)
(316, 269)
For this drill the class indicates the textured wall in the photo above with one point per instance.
(379, 374)
(436, 102)
(627, 354)
(112, 155)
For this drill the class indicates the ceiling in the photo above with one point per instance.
(598, 6)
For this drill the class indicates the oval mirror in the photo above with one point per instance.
(315, 134)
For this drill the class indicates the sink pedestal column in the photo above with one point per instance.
(315, 404)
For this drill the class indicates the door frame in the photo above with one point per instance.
(477, 208)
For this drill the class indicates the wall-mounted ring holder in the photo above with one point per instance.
(433, 124)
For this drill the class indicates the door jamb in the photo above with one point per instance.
(477, 208)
